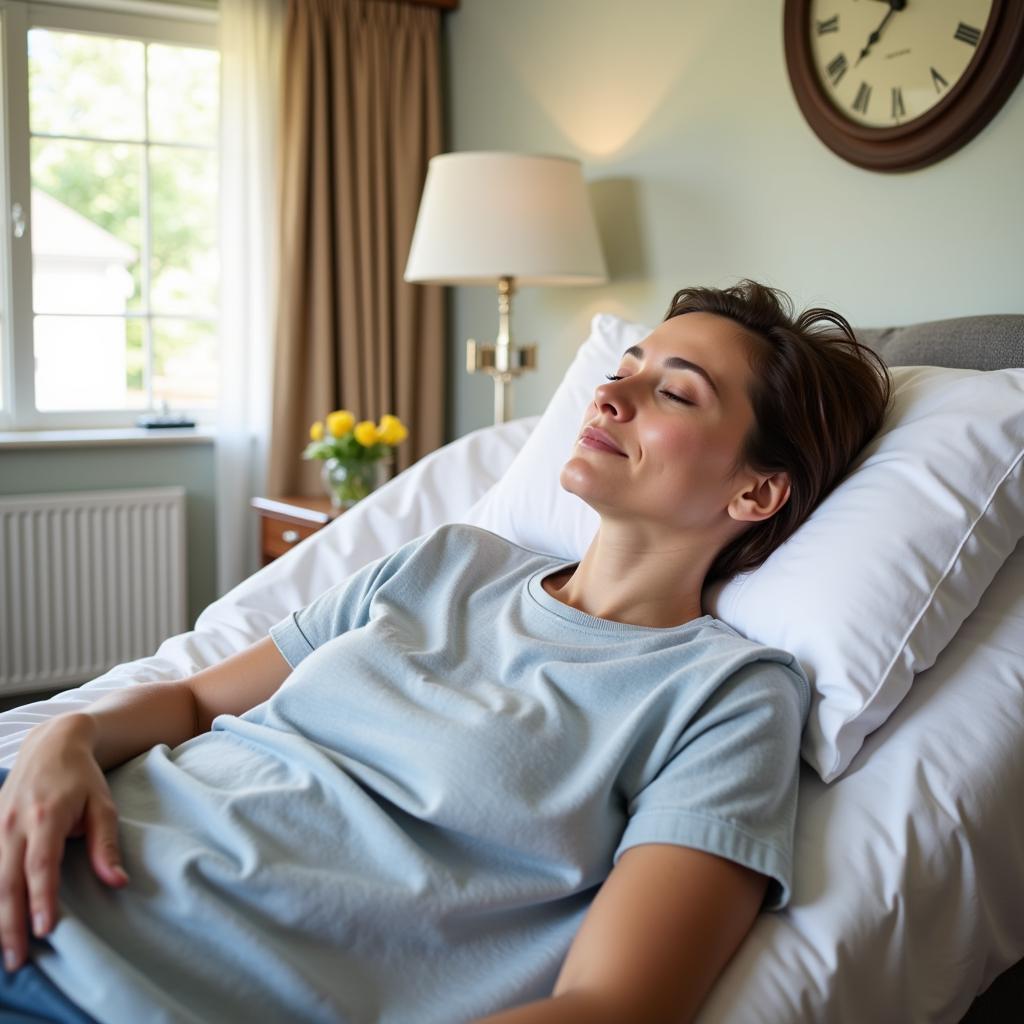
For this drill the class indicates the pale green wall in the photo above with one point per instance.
(88, 468)
(702, 171)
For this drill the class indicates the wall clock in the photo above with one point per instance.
(893, 85)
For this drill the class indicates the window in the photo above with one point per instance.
(111, 264)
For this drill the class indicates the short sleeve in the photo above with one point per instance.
(729, 784)
(342, 607)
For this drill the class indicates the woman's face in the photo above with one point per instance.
(677, 434)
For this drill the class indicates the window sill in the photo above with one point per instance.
(107, 437)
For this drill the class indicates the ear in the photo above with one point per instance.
(762, 498)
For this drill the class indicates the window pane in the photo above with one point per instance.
(85, 85)
(124, 224)
(183, 94)
(183, 213)
(135, 363)
(86, 226)
(82, 362)
(185, 363)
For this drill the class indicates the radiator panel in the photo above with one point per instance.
(87, 581)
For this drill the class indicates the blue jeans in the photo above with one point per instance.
(28, 996)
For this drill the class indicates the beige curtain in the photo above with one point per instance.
(361, 118)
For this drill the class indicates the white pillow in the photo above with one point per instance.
(528, 505)
(879, 578)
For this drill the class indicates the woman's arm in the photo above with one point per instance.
(123, 724)
(57, 788)
(659, 932)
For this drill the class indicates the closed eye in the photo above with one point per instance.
(669, 394)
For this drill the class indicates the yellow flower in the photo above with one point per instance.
(316, 432)
(391, 430)
(340, 422)
(366, 433)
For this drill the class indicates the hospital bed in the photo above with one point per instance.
(908, 895)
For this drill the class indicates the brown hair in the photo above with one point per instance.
(818, 397)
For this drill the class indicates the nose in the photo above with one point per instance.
(614, 400)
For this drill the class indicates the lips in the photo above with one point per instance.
(594, 437)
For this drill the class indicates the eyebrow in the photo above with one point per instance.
(675, 363)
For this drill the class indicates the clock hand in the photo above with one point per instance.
(894, 5)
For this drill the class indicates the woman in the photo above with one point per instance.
(471, 779)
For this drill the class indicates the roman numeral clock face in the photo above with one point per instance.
(898, 84)
(883, 66)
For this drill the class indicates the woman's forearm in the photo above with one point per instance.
(126, 723)
(131, 720)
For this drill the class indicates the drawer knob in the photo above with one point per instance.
(290, 536)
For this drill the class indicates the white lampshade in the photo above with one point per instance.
(484, 216)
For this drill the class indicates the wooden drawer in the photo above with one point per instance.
(285, 522)
(278, 537)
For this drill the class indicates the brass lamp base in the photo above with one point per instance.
(503, 360)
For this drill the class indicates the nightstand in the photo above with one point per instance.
(286, 521)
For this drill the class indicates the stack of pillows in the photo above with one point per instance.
(877, 581)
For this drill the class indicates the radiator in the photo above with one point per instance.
(87, 581)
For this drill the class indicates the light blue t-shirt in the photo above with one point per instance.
(412, 828)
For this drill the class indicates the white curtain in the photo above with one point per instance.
(251, 34)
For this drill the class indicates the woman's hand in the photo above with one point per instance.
(56, 789)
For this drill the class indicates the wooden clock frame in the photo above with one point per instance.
(984, 87)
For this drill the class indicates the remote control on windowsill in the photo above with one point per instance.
(164, 418)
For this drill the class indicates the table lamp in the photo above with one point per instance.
(510, 219)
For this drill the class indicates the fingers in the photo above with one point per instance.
(36, 853)
(101, 837)
(43, 854)
(31, 849)
(12, 901)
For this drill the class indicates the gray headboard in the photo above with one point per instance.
(991, 342)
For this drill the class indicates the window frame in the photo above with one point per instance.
(184, 25)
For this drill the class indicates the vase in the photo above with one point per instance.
(350, 480)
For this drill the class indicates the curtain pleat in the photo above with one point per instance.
(361, 118)
(250, 46)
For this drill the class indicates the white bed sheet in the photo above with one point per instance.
(909, 891)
